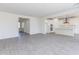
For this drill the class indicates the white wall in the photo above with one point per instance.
(27, 26)
(75, 22)
(35, 25)
(8, 25)
(43, 25)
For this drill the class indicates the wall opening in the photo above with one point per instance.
(23, 26)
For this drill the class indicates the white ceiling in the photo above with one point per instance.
(35, 9)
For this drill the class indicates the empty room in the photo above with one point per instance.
(39, 28)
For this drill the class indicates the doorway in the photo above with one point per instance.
(23, 26)
(49, 26)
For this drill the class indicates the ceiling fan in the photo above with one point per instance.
(66, 18)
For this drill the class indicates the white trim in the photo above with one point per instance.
(9, 36)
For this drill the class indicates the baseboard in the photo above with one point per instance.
(34, 33)
(76, 33)
(8, 36)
